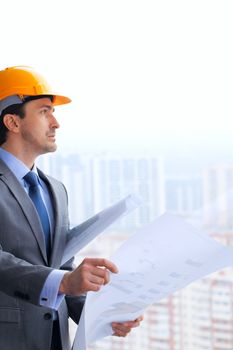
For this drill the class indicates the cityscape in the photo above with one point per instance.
(201, 315)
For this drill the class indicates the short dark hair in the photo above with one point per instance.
(17, 109)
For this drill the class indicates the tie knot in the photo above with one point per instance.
(31, 178)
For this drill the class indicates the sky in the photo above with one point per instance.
(143, 75)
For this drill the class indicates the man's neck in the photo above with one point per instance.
(25, 157)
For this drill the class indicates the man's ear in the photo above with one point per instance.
(11, 122)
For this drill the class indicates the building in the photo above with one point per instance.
(184, 197)
(116, 176)
(218, 197)
(95, 182)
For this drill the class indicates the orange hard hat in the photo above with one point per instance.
(23, 81)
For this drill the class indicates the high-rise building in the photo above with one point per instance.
(94, 182)
(218, 197)
(184, 196)
(70, 171)
(212, 307)
(116, 176)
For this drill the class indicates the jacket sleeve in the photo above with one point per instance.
(21, 279)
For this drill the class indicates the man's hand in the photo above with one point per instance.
(90, 275)
(122, 329)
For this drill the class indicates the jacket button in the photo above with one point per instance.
(47, 316)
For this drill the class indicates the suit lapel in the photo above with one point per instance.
(26, 205)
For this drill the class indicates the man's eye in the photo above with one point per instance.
(43, 111)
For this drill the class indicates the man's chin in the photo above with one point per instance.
(50, 148)
(53, 148)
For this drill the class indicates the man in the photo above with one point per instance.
(37, 294)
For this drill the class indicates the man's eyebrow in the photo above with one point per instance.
(51, 108)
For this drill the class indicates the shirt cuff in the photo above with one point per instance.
(50, 296)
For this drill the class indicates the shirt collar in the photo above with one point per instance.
(18, 168)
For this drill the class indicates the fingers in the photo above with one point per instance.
(103, 263)
(122, 329)
(95, 273)
(90, 275)
(97, 280)
(139, 319)
(92, 287)
(99, 270)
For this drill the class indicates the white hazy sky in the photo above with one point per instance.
(143, 74)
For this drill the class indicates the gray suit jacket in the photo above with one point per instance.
(24, 325)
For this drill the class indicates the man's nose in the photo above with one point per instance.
(54, 122)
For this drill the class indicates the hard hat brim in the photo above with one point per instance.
(60, 100)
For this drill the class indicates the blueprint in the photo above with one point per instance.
(84, 233)
(159, 259)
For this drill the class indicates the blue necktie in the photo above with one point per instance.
(34, 193)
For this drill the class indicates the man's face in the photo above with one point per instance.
(38, 127)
